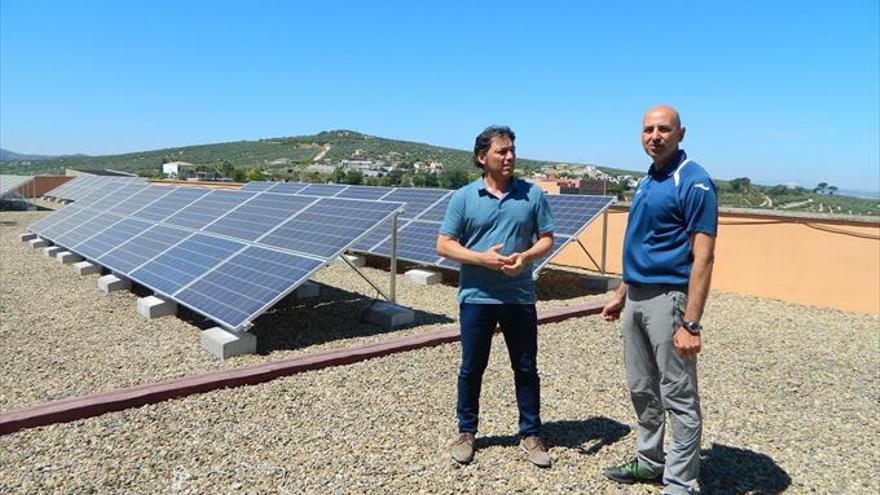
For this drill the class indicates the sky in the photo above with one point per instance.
(780, 92)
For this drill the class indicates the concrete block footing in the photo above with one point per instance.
(51, 251)
(68, 258)
(225, 344)
(84, 268)
(111, 283)
(153, 307)
(27, 236)
(308, 290)
(355, 260)
(37, 243)
(423, 277)
(387, 315)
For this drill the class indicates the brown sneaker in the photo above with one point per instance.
(535, 450)
(463, 448)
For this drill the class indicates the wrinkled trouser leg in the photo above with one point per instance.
(660, 381)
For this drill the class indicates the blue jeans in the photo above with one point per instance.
(519, 324)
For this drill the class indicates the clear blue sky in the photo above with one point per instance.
(781, 91)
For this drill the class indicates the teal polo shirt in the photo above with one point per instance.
(480, 220)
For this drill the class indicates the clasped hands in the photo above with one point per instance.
(510, 265)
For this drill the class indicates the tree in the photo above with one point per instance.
(354, 177)
(239, 175)
(832, 190)
(820, 188)
(339, 175)
(395, 178)
(431, 180)
(740, 184)
(453, 178)
(254, 175)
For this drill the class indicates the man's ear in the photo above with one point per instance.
(481, 158)
(683, 129)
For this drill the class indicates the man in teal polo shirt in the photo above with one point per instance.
(668, 255)
(495, 227)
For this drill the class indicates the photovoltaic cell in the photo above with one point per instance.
(437, 212)
(364, 192)
(321, 189)
(95, 225)
(112, 237)
(208, 208)
(141, 199)
(56, 230)
(126, 257)
(573, 212)
(257, 186)
(185, 262)
(286, 187)
(247, 284)
(417, 242)
(170, 204)
(40, 226)
(328, 226)
(415, 200)
(259, 215)
(118, 196)
(376, 236)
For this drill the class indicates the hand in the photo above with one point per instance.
(611, 310)
(517, 263)
(494, 260)
(687, 345)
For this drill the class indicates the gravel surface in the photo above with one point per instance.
(789, 393)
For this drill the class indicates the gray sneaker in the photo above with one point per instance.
(463, 448)
(536, 451)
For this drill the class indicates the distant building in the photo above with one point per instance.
(321, 169)
(178, 170)
(572, 186)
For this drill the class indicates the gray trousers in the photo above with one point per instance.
(659, 381)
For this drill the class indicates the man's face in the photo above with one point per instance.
(500, 159)
(661, 133)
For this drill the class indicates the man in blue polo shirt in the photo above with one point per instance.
(495, 227)
(668, 254)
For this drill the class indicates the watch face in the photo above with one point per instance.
(693, 327)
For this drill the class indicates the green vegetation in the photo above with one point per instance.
(288, 158)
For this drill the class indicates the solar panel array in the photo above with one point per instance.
(81, 186)
(423, 213)
(228, 255)
(10, 183)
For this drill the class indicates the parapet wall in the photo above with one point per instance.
(806, 260)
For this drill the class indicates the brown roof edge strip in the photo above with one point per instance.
(116, 400)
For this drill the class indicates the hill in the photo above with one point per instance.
(283, 156)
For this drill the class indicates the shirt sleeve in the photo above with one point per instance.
(701, 207)
(544, 216)
(453, 221)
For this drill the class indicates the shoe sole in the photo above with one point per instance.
(627, 481)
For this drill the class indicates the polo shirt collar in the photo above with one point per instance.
(515, 185)
(670, 168)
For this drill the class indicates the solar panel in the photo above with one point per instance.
(185, 262)
(259, 215)
(286, 187)
(374, 237)
(437, 212)
(247, 284)
(79, 217)
(574, 212)
(87, 229)
(322, 189)
(41, 225)
(208, 208)
(325, 228)
(415, 200)
(111, 237)
(257, 186)
(416, 241)
(10, 183)
(364, 192)
(170, 204)
(142, 199)
(140, 249)
(118, 196)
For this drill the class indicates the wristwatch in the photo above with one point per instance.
(693, 327)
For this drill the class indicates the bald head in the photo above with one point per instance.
(661, 133)
(666, 112)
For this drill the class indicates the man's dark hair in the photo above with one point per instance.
(484, 140)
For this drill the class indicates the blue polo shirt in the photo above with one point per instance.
(669, 206)
(480, 220)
